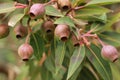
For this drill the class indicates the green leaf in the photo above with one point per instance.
(75, 60)
(90, 11)
(51, 11)
(102, 2)
(49, 63)
(103, 68)
(15, 19)
(38, 45)
(45, 74)
(60, 74)
(112, 38)
(86, 74)
(111, 20)
(59, 55)
(65, 20)
(7, 7)
(77, 2)
(77, 72)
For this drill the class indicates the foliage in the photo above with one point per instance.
(54, 59)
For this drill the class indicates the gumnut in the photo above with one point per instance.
(4, 30)
(64, 4)
(37, 10)
(74, 39)
(25, 51)
(48, 26)
(62, 31)
(20, 31)
(109, 52)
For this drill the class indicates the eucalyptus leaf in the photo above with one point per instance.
(77, 2)
(91, 10)
(86, 74)
(50, 61)
(75, 60)
(102, 2)
(93, 53)
(15, 19)
(111, 20)
(77, 72)
(7, 7)
(38, 44)
(51, 11)
(65, 20)
(59, 55)
(45, 74)
(110, 37)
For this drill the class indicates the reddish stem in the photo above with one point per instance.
(101, 42)
(20, 5)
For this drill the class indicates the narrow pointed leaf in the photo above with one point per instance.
(76, 2)
(7, 7)
(86, 74)
(102, 2)
(59, 55)
(49, 63)
(110, 37)
(75, 60)
(103, 68)
(45, 74)
(76, 74)
(91, 10)
(51, 11)
(37, 43)
(15, 19)
(65, 20)
(111, 20)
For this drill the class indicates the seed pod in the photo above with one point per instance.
(48, 27)
(20, 31)
(37, 10)
(74, 39)
(110, 53)
(25, 51)
(64, 4)
(4, 30)
(62, 31)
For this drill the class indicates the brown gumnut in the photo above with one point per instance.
(64, 4)
(20, 31)
(48, 27)
(62, 31)
(109, 52)
(37, 10)
(25, 51)
(4, 30)
(74, 39)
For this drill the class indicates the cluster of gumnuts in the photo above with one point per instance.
(61, 31)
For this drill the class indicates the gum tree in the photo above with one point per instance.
(63, 39)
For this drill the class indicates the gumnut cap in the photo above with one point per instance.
(4, 30)
(110, 53)
(62, 31)
(48, 27)
(20, 31)
(37, 10)
(75, 41)
(64, 4)
(25, 51)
